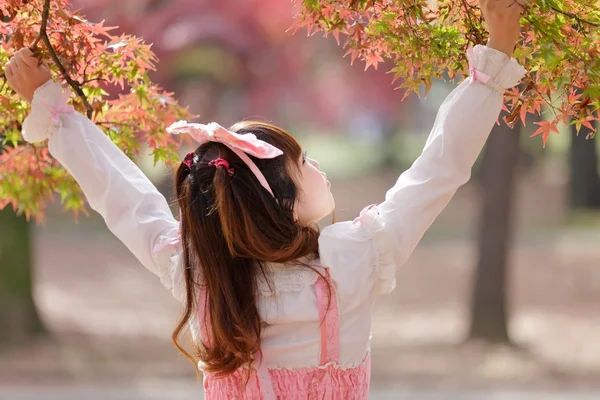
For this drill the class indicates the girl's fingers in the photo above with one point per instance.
(8, 71)
(28, 58)
(512, 4)
(519, 4)
(19, 63)
(25, 51)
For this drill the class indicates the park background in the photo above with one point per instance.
(108, 321)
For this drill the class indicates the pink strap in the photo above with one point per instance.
(264, 379)
(329, 317)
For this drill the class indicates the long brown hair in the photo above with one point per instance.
(230, 226)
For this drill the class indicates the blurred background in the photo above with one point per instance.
(499, 301)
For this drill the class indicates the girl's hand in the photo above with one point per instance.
(503, 20)
(25, 74)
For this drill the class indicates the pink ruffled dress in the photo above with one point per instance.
(328, 380)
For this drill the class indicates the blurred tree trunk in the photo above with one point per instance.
(489, 319)
(19, 319)
(584, 181)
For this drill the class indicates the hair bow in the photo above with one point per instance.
(242, 145)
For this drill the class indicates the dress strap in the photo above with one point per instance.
(329, 317)
(264, 379)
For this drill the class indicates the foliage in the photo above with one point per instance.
(424, 41)
(90, 60)
(427, 40)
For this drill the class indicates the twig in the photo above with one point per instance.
(469, 16)
(109, 123)
(44, 25)
(16, 153)
(44, 36)
(575, 17)
(92, 80)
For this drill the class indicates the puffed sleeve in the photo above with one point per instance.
(133, 209)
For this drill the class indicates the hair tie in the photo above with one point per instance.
(219, 162)
(189, 159)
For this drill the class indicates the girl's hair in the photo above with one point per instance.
(230, 226)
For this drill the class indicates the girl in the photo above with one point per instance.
(276, 309)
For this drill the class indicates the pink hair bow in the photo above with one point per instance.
(61, 107)
(239, 144)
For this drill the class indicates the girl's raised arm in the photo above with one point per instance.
(461, 129)
(132, 207)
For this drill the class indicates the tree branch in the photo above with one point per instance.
(472, 30)
(44, 25)
(46, 39)
(93, 80)
(16, 153)
(575, 17)
(111, 123)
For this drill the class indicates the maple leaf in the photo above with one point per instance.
(545, 129)
(373, 59)
(584, 121)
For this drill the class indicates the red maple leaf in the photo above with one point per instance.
(546, 127)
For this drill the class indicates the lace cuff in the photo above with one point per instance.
(494, 68)
(48, 104)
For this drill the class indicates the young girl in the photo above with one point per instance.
(276, 309)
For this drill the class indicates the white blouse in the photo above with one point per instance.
(362, 256)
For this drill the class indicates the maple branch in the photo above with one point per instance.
(92, 80)
(472, 26)
(16, 153)
(110, 123)
(46, 39)
(575, 17)
(44, 25)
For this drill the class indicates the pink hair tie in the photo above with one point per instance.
(219, 162)
(189, 159)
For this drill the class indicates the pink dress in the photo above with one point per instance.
(328, 380)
